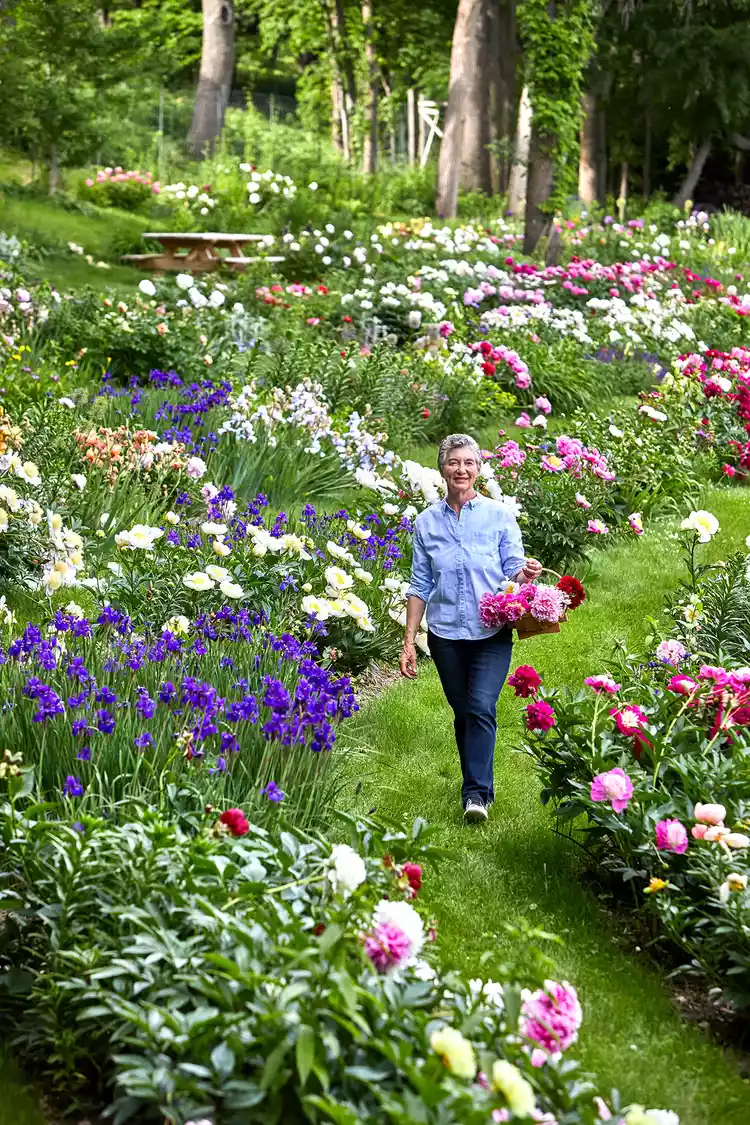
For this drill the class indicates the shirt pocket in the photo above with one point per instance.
(484, 544)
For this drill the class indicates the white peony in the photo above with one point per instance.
(147, 287)
(703, 522)
(198, 580)
(347, 870)
(184, 281)
(231, 589)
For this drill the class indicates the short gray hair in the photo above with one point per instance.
(457, 441)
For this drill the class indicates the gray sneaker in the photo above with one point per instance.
(475, 811)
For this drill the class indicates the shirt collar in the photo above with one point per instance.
(469, 503)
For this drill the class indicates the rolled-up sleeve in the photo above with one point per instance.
(421, 582)
(512, 554)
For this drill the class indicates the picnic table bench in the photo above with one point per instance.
(198, 252)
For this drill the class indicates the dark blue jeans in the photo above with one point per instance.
(472, 674)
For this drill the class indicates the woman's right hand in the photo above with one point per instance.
(408, 660)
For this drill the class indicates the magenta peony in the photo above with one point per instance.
(614, 786)
(387, 947)
(629, 719)
(499, 610)
(525, 681)
(682, 685)
(551, 1017)
(539, 716)
(602, 683)
(671, 836)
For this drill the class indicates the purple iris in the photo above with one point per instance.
(73, 787)
(273, 793)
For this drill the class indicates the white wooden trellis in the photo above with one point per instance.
(429, 112)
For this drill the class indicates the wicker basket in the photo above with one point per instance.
(528, 626)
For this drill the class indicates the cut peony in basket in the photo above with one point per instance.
(532, 608)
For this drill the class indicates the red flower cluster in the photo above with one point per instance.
(236, 821)
(573, 590)
(525, 681)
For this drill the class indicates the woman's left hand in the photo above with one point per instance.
(532, 568)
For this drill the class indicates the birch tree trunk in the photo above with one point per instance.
(520, 168)
(587, 158)
(464, 157)
(693, 174)
(370, 149)
(411, 131)
(215, 79)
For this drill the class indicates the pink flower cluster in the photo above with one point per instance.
(510, 455)
(120, 176)
(578, 458)
(545, 603)
(493, 356)
(603, 683)
(671, 652)
(498, 610)
(551, 1018)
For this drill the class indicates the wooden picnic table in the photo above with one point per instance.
(197, 252)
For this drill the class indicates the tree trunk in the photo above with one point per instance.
(647, 142)
(601, 164)
(343, 61)
(520, 167)
(622, 196)
(587, 159)
(370, 150)
(539, 189)
(693, 174)
(336, 107)
(411, 131)
(54, 171)
(215, 79)
(464, 157)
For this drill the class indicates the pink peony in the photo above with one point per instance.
(614, 786)
(636, 523)
(387, 947)
(523, 420)
(596, 527)
(602, 683)
(671, 652)
(698, 831)
(710, 814)
(539, 716)
(671, 836)
(499, 610)
(581, 501)
(551, 1017)
(712, 672)
(549, 604)
(543, 404)
(629, 719)
(525, 681)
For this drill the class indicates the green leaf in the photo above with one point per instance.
(223, 1060)
(330, 936)
(305, 1052)
(273, 1063)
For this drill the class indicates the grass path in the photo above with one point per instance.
(513, 868)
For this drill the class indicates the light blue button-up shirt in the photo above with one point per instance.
(457, 560)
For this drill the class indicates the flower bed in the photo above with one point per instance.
(653, 755)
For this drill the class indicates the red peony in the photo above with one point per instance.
(413, 873)
(489, 368)
(539, 716)
(236, 821)
(525, 681)
(573, 589)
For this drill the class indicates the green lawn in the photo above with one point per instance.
(18, 1105)
(515, 868)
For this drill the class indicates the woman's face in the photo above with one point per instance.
(460, 469)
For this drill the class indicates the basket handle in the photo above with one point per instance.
(549, 570)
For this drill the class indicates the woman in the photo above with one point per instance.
(464, 546)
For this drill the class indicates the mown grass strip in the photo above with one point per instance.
(515, 867)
